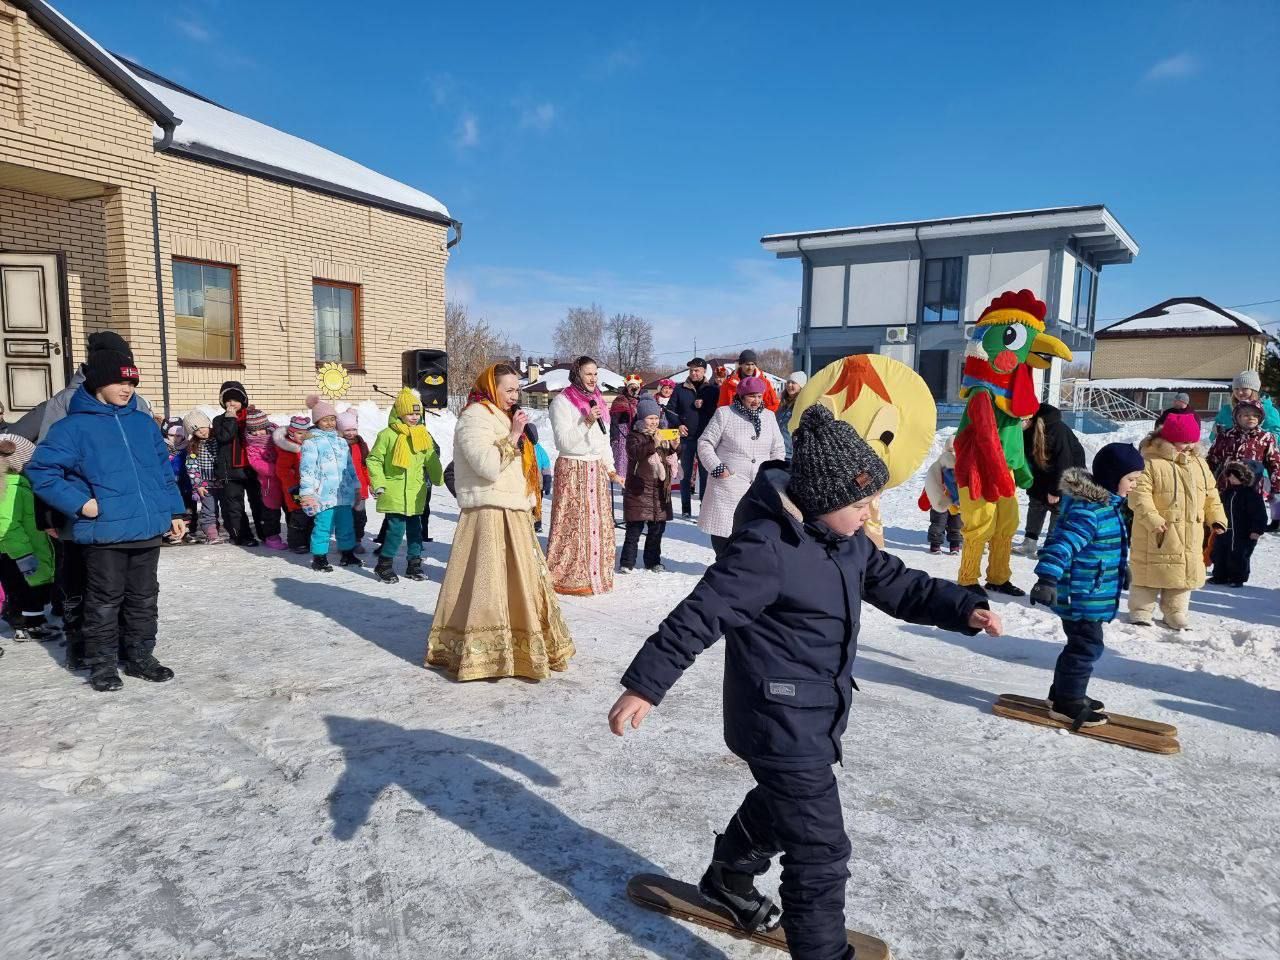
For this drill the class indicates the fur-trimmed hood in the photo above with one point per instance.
(1080, 484)
(280, 436)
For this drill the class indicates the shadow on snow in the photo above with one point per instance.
(456, 779)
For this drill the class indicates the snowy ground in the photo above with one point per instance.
(305, 789)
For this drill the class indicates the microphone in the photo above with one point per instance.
(599, 420)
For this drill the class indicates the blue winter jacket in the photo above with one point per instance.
(326, 470)
(1088, 551)
(787, 596)
(114, 455)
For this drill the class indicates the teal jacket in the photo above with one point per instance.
(1225, 419)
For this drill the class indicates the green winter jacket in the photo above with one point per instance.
(19, 536)
(404, 490)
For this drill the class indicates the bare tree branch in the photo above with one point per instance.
(580, 333)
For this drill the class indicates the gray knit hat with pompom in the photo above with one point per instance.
(832, 466)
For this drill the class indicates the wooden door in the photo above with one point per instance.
(31, 330)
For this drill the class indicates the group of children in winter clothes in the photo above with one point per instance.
(318, 470)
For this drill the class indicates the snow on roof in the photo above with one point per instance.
(215, 133)
(211, 130)
(1157, 383)
(557, 379)
(1185, 314)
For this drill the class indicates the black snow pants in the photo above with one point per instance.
(797, 813)
(121, 603)
(299, 527)
(1232, 554)
(234, 518)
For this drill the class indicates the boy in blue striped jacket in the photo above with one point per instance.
(1083, 568)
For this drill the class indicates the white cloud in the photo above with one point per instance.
(468, 131)
(1177, 67)
(194, 29)
(750, 301)
(443, 87)
(539, 116)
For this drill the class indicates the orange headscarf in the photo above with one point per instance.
(486, 391)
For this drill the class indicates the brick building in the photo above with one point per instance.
(272, 255)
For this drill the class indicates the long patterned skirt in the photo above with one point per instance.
(497, 615)
(581, 549)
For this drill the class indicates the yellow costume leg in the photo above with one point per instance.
(874, 527)
(979, 524)
(1006, 526)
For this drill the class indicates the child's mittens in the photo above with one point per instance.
(1045, 592)
(27, 565)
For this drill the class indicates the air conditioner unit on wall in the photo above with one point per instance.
(968, 330)
(896, 335)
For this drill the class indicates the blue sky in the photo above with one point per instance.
(633, 154)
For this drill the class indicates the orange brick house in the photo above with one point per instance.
(221, 248)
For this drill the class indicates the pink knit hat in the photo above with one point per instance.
(348, 419)
(1181, 427)
(751, 385)
(320, 408)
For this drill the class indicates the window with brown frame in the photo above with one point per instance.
(337, 319)
(206, 311)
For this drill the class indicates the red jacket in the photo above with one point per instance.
(287, 455)
(359, 452)
(729, 390)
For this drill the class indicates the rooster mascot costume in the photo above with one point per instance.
(999, 392)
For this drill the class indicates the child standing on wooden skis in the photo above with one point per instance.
(787, 592)
(1083, 568)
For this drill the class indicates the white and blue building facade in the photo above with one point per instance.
(913, 290)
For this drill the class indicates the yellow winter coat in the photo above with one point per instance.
(1176, 490)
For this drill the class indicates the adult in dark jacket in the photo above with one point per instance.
(1052, 449)
(693, 405)
(232, 469)
(787, 595)
(106, 465)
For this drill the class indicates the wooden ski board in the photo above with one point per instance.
(1117, 719)
(683, 901)
(1038, 713)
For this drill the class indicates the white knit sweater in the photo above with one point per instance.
(575, 438)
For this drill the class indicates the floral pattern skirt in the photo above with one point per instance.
(497, 615)
(582, 545)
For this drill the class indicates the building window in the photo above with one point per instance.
(942, 283)
(1216, 400)
(337, 318)
(1158, 400)
(1085, 300)
(206, 312)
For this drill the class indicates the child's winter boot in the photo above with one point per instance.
(413, 569)
(274, 543)
(42, 632)
(384, 572)
(105, 678)
(349, 559)
(727, 883)
(211, 535)
(148, 668)
(320, 563)
(1078, 713)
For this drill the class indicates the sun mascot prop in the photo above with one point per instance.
(333, 381)
(1007, 342)
(887, 403)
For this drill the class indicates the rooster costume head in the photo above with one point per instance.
(1007, 341)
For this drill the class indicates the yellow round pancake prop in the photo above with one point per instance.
(887, 402)
(333, 381)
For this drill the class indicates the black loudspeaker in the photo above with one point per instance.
(428, 372)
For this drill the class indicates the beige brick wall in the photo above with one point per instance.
(58, 116)
(1191, 358)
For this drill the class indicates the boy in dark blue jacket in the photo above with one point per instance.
(787, 595)
(106, 466)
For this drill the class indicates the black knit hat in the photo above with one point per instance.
(747, 356)
(108, 340)
(832, 466)
(104, 367)
(1114, 462)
